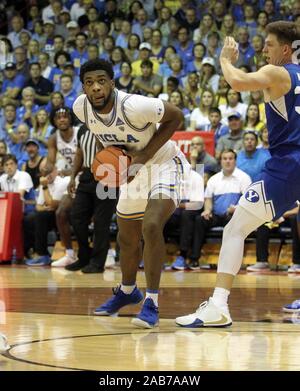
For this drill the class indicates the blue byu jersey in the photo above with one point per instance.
(283, 116)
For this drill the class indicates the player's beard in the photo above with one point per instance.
(101, 106)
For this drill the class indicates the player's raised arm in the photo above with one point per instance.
(265, 78)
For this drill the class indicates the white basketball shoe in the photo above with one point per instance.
(207, 315)
(64, 261)
(4, 346)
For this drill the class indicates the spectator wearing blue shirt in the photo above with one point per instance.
(66, 88)
(252, 160)
(246, 51)
(215, 125)
(142, 22)
(79, 55)
(17, 24)
(19, 148)
(29, 108)
(61, 58)
(12, 84)
(56, 101)
(8, 125)
(185, 45)
(69, 69)
(122, 39)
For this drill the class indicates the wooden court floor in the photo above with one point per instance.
(47, 315)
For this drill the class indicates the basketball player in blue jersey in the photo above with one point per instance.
(130, 121)
(279, 187)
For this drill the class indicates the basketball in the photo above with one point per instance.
(110, 166)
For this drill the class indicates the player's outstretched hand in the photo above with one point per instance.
(230, 50)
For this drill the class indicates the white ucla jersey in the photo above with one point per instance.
(67, 149)
(132, 123)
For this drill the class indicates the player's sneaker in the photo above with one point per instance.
(64, 261)
(119, 300)
(258, 267)
(4, 346)
(294, 268)
(207, 315)
(43, 260)
(293, 307)
(179, 263)
(148, 317)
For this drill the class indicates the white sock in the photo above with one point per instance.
(220, 298)
(70, 252)
(127, 289)
(153, 296)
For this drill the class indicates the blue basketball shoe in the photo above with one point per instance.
(148, 317)
(293, 307)
(119, 300)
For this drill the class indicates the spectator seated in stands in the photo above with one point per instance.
(252, 160)
(199, 116)
(176, 98)
(209, 78)
(12, 85)
(144, 54)
(184, 219)
(148, 83)
(3, 152)
(233, 139)
(233, 103)
(215, 125)
(222, 194)
(67, 89)
(19, 148)
(9, 124)
(41, 130)
(199, 156)
(51, 190)
(28, 108)
(41, 86)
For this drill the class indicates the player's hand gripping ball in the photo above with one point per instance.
(110, 166)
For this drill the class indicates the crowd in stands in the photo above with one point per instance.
(158, 48)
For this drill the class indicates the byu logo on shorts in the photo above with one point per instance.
(252, 196)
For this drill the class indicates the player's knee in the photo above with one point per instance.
(61, 213)
(127, 240)
(152, 227)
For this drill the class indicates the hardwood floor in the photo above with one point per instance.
(47, 316)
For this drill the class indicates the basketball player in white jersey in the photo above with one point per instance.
(130, 122)
(64, 143)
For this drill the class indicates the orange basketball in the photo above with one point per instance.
(110, 166)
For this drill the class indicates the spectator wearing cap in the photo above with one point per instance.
(148, 84)
(144, 54)
(141, 23)
(185, 45)
(233, 104)
(42, 86)
(17, 25)
(79, 55)
(49, 30)
(33, 164)
(252, 159)
(234, 139)
(28, 108)
(209, 78)
(12, 84)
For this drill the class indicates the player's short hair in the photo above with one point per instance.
(61, 110)
(96, 65)
(285, 32)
